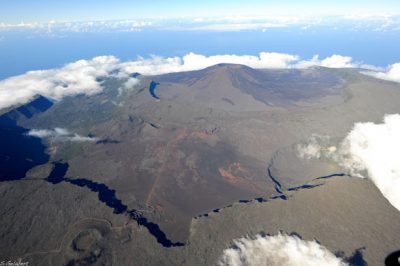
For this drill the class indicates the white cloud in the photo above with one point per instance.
(154, 65)
(368, 149)
(79, 138)
(130, 83)
(338, 61)
(392, 73)
(374, 148)
(159, 65)
(44, 133)
(238, 26)
(276, 60)
(80, 77)
(232, 23)
(246, 23)
(279, 250)
(315, 147)
(80, 26)
(375, 21)
(59, 134)
(334, 61)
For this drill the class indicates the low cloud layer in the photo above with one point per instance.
(159, 65)
(282, 250)
(367, 21)
(375, 148)
(368, 150)
(392, 73)
(59, 134)
(57, 27)
(80, 77)
(334, 61)
(85, 76)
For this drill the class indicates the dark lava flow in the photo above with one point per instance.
(306, 186)
(278, 186)
(278, 189)
(108, 196)
(332, 175)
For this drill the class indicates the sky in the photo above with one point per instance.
(15, 11)
(45, 34)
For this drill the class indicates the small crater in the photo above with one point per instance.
(85, 239)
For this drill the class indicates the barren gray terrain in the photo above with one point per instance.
(184, 163)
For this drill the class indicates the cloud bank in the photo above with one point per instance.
(159, 65)
(375, 148)
(85, 76)
(370, 149)
(355, 21)
(334, 61)
(279, 250)
(59, 134)
(51, 27)
(80, 77)
(392, 73)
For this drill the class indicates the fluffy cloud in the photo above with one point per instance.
(80, 77)
(338, 61)
(374, 148)
(315, 147)
(278, 250)
(59, 134)
(193, 61)
(392, 73)
(368, 148)
(159, 65)
(334, 61)
(130, 83)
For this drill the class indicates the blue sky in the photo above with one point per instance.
(15, 11)
(128, 29)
